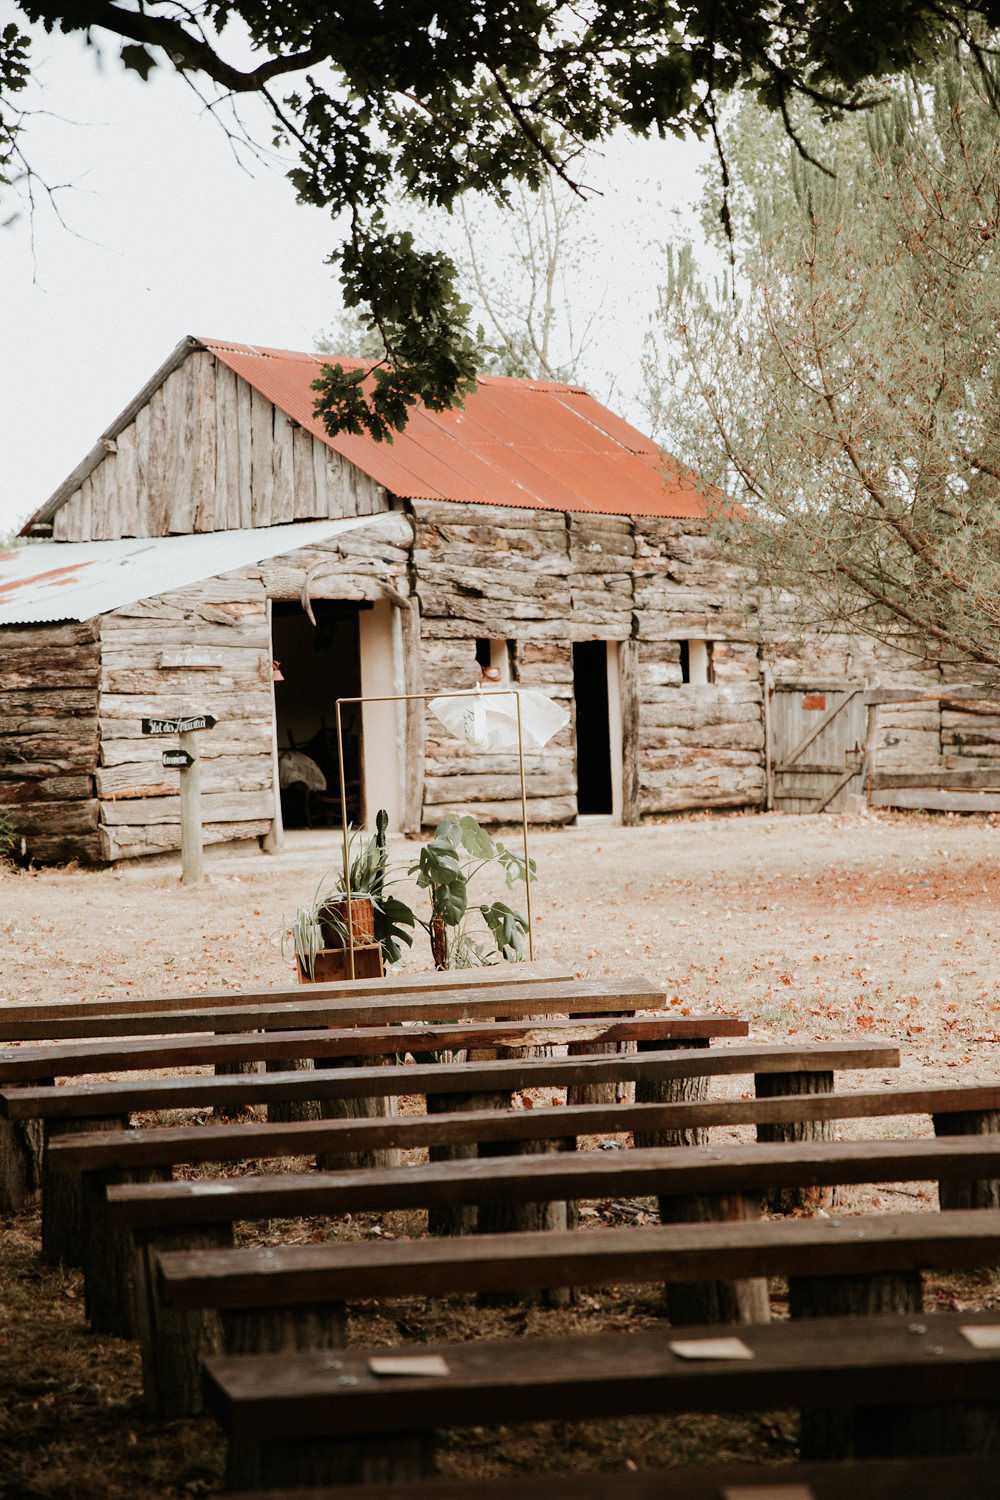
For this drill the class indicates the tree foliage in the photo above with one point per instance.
(849, 398)
(377, 97)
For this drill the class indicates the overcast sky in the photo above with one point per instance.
(165, 234)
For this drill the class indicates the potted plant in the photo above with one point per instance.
(447, 865)
(378, 922)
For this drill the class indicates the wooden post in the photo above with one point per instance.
(777, 1085)
(871, 751)
(984, 1193)
(191, 854)
(768, 690)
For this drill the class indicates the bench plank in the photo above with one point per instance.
(468, 1003)
(170, 1145)
(63, 1060)
(541, 971)
(592, 1174)
(836, 1361)
(282, 1276)
(74, 1101)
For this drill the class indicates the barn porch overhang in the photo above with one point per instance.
(47, 582)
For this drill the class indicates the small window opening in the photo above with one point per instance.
(496, 659)
(697, 666)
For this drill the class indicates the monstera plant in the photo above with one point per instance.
(447, 865)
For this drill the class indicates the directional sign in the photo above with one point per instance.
(179, 758)
(178, 726)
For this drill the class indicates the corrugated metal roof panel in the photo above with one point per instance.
(537, 444)
(49, 581)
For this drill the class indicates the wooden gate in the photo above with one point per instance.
(816, 751)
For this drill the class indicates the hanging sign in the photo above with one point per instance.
(179, 726)
(178, 758)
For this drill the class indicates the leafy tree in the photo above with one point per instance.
(849, 396)
(435, 100)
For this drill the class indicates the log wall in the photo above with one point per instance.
(49, 697)
(543, 580)
(209, 453)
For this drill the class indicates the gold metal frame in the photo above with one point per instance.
(426, 698)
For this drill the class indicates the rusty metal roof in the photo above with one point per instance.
(49, 581)
(539, 444)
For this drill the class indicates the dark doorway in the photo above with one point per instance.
(593, 727)
(319, 664)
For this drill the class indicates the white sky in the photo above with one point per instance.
(166, 235)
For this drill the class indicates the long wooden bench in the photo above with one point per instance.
(330, 1417)
(470, 1001)
(133, 1054)
(182, 1215)
(541, 971)
(951, 1478)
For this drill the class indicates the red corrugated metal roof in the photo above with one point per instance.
(538, 444)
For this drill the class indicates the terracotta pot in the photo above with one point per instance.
(333, 922)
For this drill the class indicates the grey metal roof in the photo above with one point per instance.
(50, 581)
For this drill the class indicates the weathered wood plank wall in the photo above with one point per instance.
(208, 453)
(49, 693)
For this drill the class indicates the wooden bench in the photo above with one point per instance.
(133, 1054)
(541, 971)
(327, 1417)
(951, 1478)
(62, 1108)
(469, 1001)
(184, 1215)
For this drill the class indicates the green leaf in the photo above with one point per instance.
(475, 839)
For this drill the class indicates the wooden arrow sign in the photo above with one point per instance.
(178, 758)
(179, 726)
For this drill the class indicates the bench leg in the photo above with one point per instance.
(984, 1193)
(671, 1091)
(64, 1215)
(174, 1340)
(108, 1259)
(284, 1111)
(464, 1218)
(22, 1150)
(377, 1107)
(228, 1112)
(283, 1330)
(775, 1085)
(385, 1459)
(847, 1432)
(691, 1302)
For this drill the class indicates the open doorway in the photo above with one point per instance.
(595, 793)
(318, 664)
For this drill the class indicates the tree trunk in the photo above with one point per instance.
(21, 1151)
(174, 1340)
(109, 1258)
(985, 1192)
(862, 1432)
(283, 1111)
(777, 1085)
(64, 1214)
(281, 1330)
(463, 1218)
(377, 1107)
(231, 1112)
(691, 1302)
(386, 1459)
(671, 1091)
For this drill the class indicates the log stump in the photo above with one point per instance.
(376, 1107)
(777, 1085)
(234, 1112)
(284, 1330)
(596, 1093)
(284, 1111)
(109, 1259)
(984, 1192)
(862, 1432)
(307, 1463)
(174, 1340)
(463, 1218)
(672, 1091)
(694, 1302)
(22, 1150)
(64, 1211)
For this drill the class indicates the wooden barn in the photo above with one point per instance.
(217, 552)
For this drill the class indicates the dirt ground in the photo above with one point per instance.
(884, 926)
